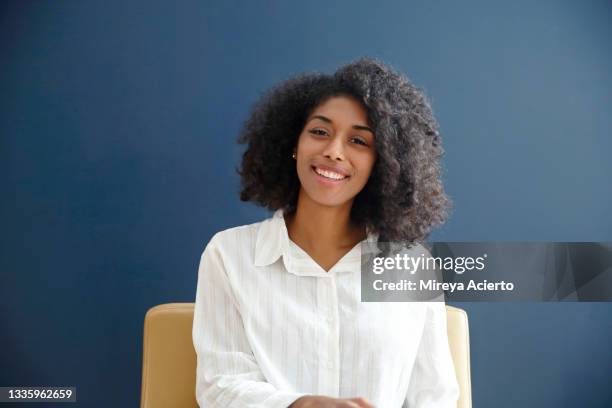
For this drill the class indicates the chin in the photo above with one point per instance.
(326, 196)
(326, 200)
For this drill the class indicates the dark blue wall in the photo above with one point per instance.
(117, 154)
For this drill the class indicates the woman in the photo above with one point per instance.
(342, 159)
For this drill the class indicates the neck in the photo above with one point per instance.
(318, 226)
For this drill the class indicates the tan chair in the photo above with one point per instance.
(169, 359)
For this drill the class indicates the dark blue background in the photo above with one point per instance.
(117, 153)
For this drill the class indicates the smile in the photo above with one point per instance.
(329, 175)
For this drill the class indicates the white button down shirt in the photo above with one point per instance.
(270, 325)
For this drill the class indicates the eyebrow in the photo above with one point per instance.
(328, 120)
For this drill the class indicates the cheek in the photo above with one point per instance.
(305, 152)
(305, 144)
(365, 166)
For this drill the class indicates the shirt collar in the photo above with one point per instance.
(273, 240)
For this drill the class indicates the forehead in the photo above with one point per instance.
(343, 109)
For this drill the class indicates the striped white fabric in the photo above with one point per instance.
(270, 325)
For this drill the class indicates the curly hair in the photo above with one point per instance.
(403, 198)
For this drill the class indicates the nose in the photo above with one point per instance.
(334, 150)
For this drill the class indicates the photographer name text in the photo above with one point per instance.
(434, 285)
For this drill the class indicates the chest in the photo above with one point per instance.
(315, 313)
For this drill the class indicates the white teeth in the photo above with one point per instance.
(329, 174)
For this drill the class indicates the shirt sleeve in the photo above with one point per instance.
(433, 382)
(227, 374)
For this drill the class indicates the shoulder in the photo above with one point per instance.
(231, 252)
(239, 239)
(415, 249)
(418, 247)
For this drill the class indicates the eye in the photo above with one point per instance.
(360, 141)
(318, 132)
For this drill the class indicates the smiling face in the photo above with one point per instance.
(335, 152)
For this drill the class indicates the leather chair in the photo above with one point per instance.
(169, 359)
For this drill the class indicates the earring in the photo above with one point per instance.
(294, 155)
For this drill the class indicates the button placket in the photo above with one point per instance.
(327, 306)
(334, 337)
(322, 310)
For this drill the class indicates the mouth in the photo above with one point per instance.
(329, 176)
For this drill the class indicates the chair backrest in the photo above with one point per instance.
(459, 342)
(169, 359)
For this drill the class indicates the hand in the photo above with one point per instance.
(316, 401)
